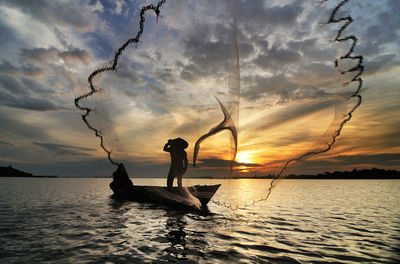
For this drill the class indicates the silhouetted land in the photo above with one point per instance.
(373, 173)
(11, 172)
(354, 174)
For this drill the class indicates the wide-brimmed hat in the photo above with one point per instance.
(181, 143)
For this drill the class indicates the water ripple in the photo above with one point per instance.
(77, 222)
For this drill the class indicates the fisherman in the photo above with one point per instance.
(121, 180)
(179, 162)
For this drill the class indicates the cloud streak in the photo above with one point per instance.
(45, 55)
(60, 149)
(68, 14)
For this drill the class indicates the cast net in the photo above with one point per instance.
(188, 68)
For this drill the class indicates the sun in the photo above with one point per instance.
(244, 157)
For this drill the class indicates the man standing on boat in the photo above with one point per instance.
(179, 162)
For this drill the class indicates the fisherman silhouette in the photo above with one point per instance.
(123, 188)
(176, 148)
(121, 180)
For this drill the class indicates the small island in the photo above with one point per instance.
(11, 172)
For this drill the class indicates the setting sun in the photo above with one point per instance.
(244, 157)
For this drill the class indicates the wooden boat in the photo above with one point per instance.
(123, 188)
(175, 197)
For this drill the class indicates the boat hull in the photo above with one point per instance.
(159, 194)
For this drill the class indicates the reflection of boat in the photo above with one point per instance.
(157, 194)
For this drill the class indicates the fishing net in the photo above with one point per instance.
(255, 87)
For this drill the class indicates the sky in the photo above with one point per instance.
(292, 98)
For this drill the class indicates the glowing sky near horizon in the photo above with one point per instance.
(163, 89)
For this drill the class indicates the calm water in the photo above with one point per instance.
(305, 221)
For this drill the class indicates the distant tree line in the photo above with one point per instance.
(373, 173)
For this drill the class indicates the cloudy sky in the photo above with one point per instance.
(292, 99)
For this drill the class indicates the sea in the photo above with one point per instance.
(75, 220)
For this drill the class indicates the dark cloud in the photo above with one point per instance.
(258, 14)
(283, 70)
(12, 85)
(192, 72)
(277, 58)
(292, 114)
(27, 102)
(8, 36)
(292, 139)
(80, 168)
(75, 55)
(156, 88)
(60, 149)
(43, 55)
(317, 72)
(166, 75)
(382, 62)
(205, 54)
(372, 160)
(313, 80)
(378, 29)
(192, 126)
(12, 125)
(39, 55)
(378, 36)
(209, 50)
(385, 159)
(258, 86)
(218, 163)
(69, 14)
(6, 143)
(34, 86)
(302, 66)
(151, 91)
(152, 96)
(25, 94)
(7, 68)
(388, 20)
(127, 73)
(386, 135)
(31, 71)
(311, 49)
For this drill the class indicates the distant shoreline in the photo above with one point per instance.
(355, 174)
